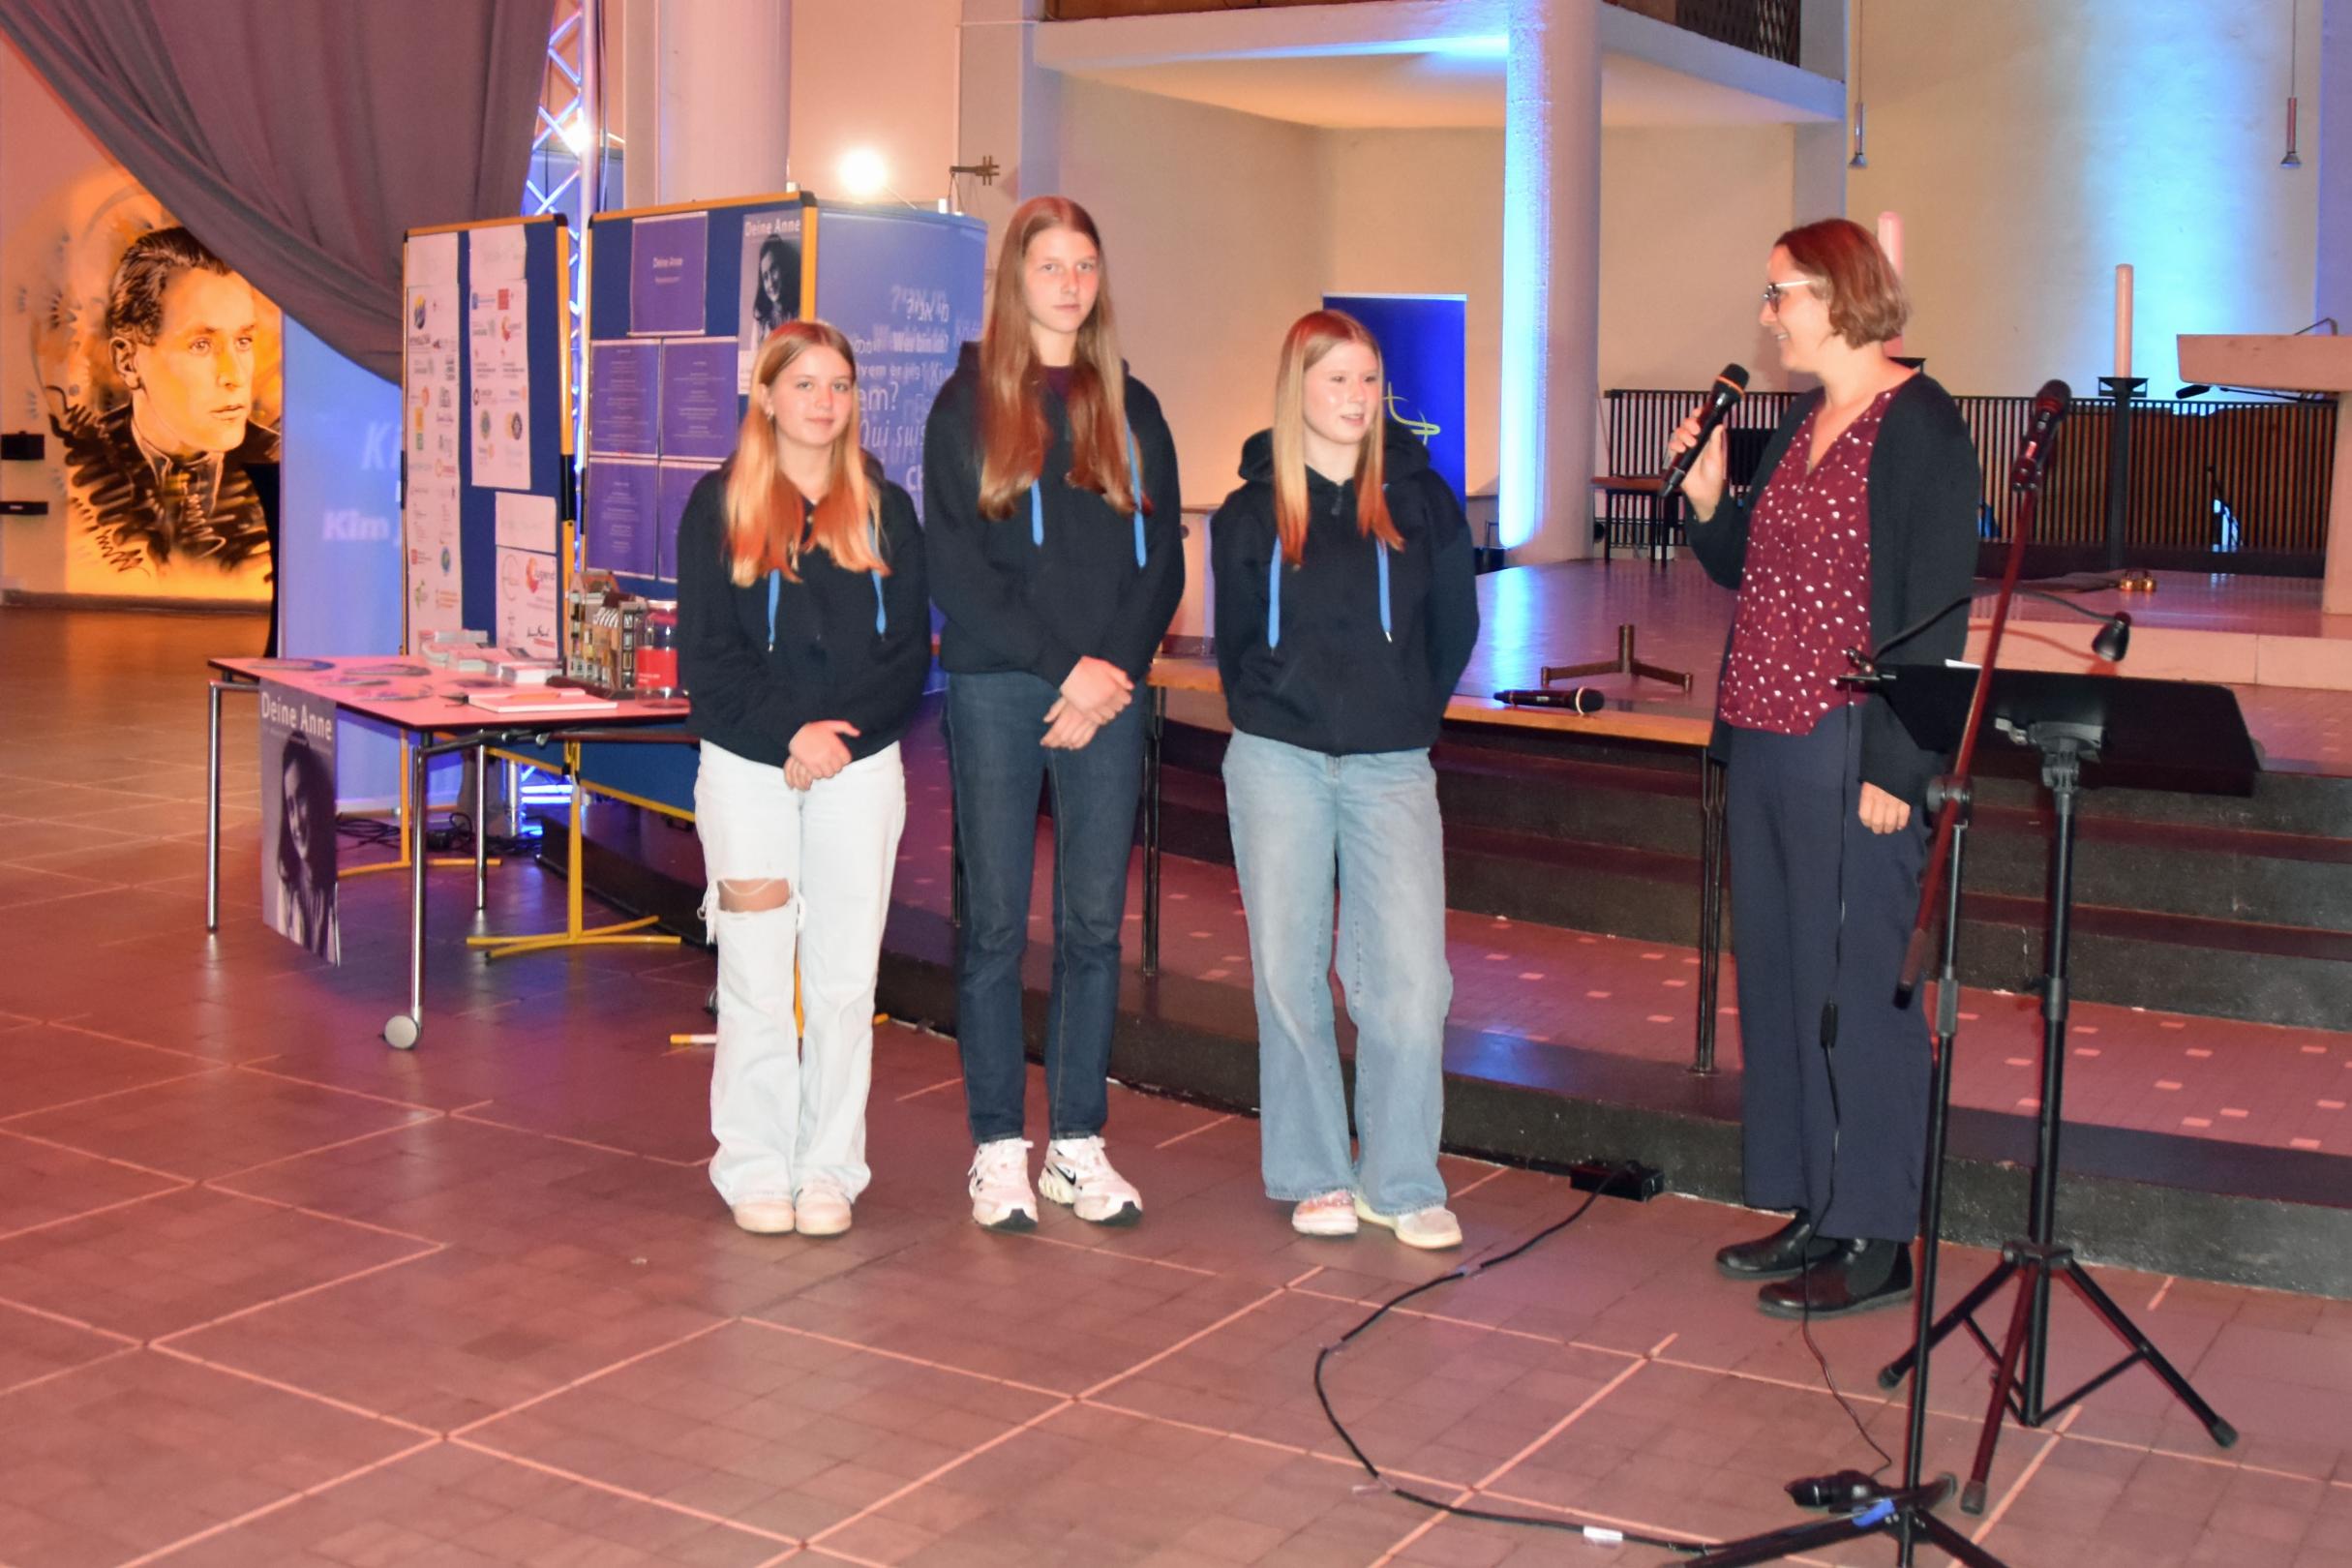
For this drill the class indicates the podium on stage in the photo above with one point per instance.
(2285, 363)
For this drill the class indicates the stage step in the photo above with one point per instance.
(2231, 908)
(2167, 1203)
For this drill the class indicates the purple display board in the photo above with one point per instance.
(677, 482)
(699, 407)
(668, 258)
(623, 502)
(625, 409)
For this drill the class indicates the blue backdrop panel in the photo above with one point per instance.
(339, 552)
(906, 287)
(549, 469)
(1424, 350)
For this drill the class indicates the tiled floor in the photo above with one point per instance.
(272, 1294)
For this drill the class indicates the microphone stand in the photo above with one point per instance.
(1907, 1511)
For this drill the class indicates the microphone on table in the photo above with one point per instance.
(1722, 398)
(1583, 699)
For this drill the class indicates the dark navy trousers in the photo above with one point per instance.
(1798, 853)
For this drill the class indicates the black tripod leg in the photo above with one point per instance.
(1780, 1545)
(2126, 1329)
(1962, 1310)
(1961, 1549)
(1971, 1495)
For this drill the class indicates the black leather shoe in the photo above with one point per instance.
(1855, 1276)
(1775, 1256)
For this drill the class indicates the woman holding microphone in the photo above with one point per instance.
(1862, 521)
(805, 640)
(1345, 613)
(1055, 539)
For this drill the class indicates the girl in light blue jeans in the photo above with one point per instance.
(1345, 613)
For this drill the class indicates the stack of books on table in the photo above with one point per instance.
(533, 702)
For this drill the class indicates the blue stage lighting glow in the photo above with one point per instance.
(1472, 46)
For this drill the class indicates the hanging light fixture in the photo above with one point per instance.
(2294, 48)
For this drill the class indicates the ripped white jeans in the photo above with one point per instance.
(786, 1105)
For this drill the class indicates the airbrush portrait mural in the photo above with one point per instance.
(158, 372)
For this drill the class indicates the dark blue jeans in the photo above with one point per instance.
(994, 724)
(1859, 1108)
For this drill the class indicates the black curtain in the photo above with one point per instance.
(300, 139)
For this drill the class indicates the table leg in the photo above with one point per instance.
(401, 1032)
(481, 828)
(212, 809)
(1154, 729)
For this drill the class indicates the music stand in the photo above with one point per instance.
(2152, 733)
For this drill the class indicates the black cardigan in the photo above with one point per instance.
(1013, 604)
(828, 662)
(1923, 489)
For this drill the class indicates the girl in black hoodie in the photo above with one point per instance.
(1345, 613)
(805, 641)
(1055, 543)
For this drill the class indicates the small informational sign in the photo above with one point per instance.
(299, 883)
(666, 274)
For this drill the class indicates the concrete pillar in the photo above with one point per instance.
(1008, 109)
(706, 109)
(1552, 278)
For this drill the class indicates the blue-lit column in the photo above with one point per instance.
(2333, 284)
(1551, 277)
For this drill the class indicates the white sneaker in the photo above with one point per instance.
(822, 1209)
(1432, 1230)
(1079, 1173)
(765, 1217)
(1326, 1213)
(1001, 1199)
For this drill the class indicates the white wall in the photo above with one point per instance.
(850, 90)
(1420, 212)
(2030, 147)
(1212, 225)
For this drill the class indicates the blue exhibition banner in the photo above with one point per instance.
(339, 561)
(906, 288)
(666, 277)
(1424, 350)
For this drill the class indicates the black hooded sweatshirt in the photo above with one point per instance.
(1335, 682)
(1013, 603)
(828, 660)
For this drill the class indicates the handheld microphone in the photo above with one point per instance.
(1582, 699)
(1729, 388)
(2050, 405)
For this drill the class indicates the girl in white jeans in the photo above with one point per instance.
(805, 639)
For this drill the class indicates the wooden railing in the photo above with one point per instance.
(2216, 484)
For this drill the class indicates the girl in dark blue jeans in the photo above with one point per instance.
(1054, 538)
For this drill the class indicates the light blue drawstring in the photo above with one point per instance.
(1134, 483)
(882, 610)
(1274, 592)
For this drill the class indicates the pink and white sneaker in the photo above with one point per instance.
(1078, 1174)
(1001, 1199)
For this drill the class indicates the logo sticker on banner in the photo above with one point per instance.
(298, 820)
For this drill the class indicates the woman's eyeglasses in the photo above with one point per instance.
(1772, 291)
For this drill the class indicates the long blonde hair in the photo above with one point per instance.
(1012, 430)
(1311, 337)
(763, 508)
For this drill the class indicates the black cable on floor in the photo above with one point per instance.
(1598, 1535)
